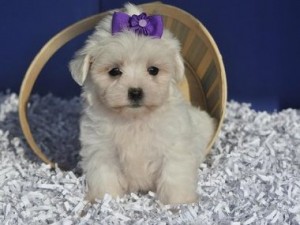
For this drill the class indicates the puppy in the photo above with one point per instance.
(137, 131)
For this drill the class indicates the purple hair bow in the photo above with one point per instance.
(140, 24)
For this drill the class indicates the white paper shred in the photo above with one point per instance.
(252, 175)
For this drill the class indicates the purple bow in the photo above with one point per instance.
(140, 24)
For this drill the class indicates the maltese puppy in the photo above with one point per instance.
(137, 131)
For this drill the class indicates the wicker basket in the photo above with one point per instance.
(205, 83)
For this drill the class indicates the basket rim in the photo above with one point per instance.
(84, 25)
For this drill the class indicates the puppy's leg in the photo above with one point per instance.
(178, 181)
(103, 177)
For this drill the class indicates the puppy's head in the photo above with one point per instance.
(127, 72)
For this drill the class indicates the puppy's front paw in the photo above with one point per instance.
(102, 183)
(99, 193)
(177, 190)
(176, 196)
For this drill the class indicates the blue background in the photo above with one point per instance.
(259, 41)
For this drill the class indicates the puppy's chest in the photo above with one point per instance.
(138, 149)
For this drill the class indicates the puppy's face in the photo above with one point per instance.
(132, 74)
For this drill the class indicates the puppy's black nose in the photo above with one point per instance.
(135, 94)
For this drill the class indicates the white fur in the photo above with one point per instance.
(157, 146)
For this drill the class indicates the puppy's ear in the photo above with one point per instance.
(179, 68)
(79, 68)
(174, 44)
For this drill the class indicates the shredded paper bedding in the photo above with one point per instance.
(252, 175)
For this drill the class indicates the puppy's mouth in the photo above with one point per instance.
(135, 105)
(130, 106)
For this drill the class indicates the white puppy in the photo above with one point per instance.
(137, 131)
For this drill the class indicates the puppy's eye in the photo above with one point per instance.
(152, 70)
(115, 72)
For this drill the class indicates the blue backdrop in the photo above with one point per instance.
(259, 41)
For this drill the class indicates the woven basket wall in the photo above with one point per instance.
(205, 83)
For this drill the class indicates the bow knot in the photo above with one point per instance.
(140, 24)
